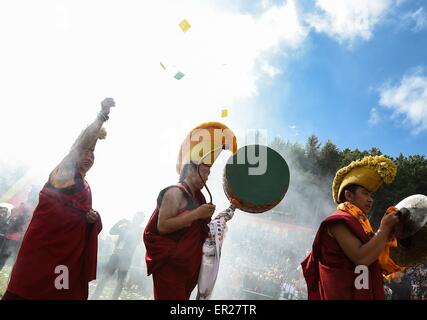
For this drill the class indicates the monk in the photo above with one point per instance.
(175, 234)
(178, 227)
(58, 255)
(345, 244)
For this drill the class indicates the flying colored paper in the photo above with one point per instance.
(179, 75)
(184, 25)
(224, 113)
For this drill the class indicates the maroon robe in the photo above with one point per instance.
(58, 234)
(174, 259)
(330, 274)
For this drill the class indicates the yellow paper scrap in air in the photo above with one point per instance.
(224, 113)
(184, 25)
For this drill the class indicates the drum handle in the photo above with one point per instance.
(198, 169)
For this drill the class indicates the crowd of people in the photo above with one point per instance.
(13, 224)
(416, 277)
(121, 259)
(255, 266)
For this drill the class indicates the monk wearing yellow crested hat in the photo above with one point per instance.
(178, 227)
(348, 260)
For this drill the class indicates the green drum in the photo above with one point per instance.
(258, 177)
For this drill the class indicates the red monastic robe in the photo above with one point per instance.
(330, 274)
(58, 235)
(174, 259)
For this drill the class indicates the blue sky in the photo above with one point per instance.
(332, 86)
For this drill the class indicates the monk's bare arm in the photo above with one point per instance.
(90, 135)
(65, 171)
(354, 249)
(63, 174)
(174, 201)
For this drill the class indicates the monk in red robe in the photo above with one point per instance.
(58, 254)
(345, 245)
(175, 234)
(178, 227)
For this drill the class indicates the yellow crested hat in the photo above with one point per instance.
(370, 172)
(204, 144)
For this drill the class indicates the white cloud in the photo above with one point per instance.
(60, 58)
(265, 4)
(270, 70)
(347, 20)
(374, 117)
(280, 25)
(415, 20)
(408, 99)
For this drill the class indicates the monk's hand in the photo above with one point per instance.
(92, 216)
(106, 105)
(206, 210)
(389, 220)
